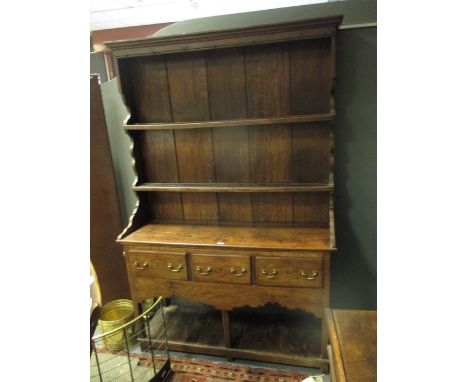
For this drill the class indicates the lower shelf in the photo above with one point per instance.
(291, 338)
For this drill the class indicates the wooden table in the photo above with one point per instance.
(353, 345)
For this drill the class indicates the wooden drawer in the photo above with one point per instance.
(292, 271)
(221, 268)
(165, 265)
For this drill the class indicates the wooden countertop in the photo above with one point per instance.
(294, 238)
(353, 340)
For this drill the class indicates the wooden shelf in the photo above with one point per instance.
(249, 236)
(234, 187)
(232, 123)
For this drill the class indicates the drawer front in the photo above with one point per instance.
(292, 271)
(221, 268)
(158, 264)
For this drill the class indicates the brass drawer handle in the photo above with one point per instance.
(233, 270)
(171, 267)
(274, 273)
(313, 276)
(203, 273)
(138, 266)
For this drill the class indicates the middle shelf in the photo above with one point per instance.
(322, 117)
(234, 187)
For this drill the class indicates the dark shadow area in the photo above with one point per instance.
(270, 328)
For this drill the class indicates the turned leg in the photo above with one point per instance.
(226, 331)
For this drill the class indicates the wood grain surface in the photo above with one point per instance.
(163, 264)
(290, 272)
(222, 268)
(224, 296)
(353, 339)
(306, 238)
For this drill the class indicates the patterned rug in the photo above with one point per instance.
(189, 370)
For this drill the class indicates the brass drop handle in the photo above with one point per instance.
(274, 273)
(171, 267)
(233, 270)
(313, 276)
(138, 266)
(203, 273)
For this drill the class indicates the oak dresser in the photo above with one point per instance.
(232, 138)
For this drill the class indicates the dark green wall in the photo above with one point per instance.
(354, 12)
(354, 266)
(98, 65)
(115, 112)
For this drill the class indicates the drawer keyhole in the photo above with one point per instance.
(274, 273)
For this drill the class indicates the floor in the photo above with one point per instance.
(311, 371)
(249, 363)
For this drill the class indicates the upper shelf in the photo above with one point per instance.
(329, 117)
(234, 187)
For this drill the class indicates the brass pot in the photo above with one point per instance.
(116, 314)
